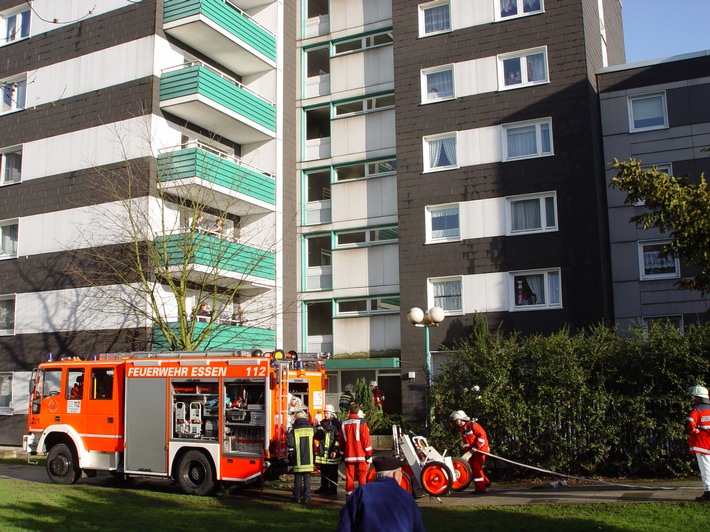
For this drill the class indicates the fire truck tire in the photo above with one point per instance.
(462, 474)
(195, 474)
(436, 478)
(62, 465)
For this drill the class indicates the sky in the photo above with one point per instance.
(661, 28)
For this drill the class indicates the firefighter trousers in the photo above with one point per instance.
(480, 480)
(352, 470)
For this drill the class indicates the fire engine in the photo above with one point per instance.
(199, 418)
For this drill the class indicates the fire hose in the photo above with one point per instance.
(584, 479)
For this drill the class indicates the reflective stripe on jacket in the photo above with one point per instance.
(698, 428)
(474, 437)
(300, 439)
(354, 439)
(327, 434)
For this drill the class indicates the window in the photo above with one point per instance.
(654, 264)
(675, 321)
(8, 239)
(535, 290)
(438, 84)
(75, 384)
(525, 140)
(365, 306)
(364, 106)
(512, 8)
(101, 383)
(7, 315)
(664, 168)
(531, 214)
(443, 222)
(523, 68)
(446, 293)
(647, 112)
(16, 25)
(363, 43)
(5, 393)
(440, 152)
(434, 17)
(366, 170)
(384, 235)
(13, 95)
(11, 167)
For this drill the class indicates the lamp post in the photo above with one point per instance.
(431, 318)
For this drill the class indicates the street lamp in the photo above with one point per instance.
(431, 318)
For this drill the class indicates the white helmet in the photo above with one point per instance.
(460, 414)
(329, 408)
(373, 383)
(699, 391)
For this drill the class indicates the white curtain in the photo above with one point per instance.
(447, 295)
(440, 84)
(536, 67)
(450, 149)
(526, 215)
(545, 138)
(9, 240)
(521, 141)
(537, 285)
(7, 314)
(445, 223)
(437, 18)
(13, 167)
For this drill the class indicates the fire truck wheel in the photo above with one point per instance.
(62, 465)
(436, 478)
(462, 474)
(195, 474)
(406, 482)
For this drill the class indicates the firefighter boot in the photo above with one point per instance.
(705, 497)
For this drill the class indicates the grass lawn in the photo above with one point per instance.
(32, 506)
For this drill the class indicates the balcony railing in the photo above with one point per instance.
(241, 187)
(225, 337)
(222, 31)
(203, 95)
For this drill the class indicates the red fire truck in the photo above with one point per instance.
(199, 418)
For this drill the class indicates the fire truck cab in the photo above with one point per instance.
(199, 418)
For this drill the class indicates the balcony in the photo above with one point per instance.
(211, 258)
(221, 31)
(210, 99)
(225, 337)
(197, 172)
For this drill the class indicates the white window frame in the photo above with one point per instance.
(367, 42)
(648, 96)
(430, 210)
(675, 319)
(9, 223)
(524, 68)
(422, 18)
(3, 164)
(666, 168)
(368, 105)
(553, 294)
(368, 239)
(6, 385)
(16, 12)
(370, 169)
(431, 298)
(538, 139)
(427, 152)
(19, 86)
(9, 297)
(370, 304)
(642, 262)
(520, 8)
(542, 202)
(433, 96)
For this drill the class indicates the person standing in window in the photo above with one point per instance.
(509, 9)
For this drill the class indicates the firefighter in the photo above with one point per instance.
(328, 452)
(346, 398)
(377, 396)
(356, 447)
(474, 439)
(78, 388)
(698, 428)
(300, 444)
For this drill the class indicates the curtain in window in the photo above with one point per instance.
(536, 67)
(442, 152)
(553, 279)
(526, 215)
(654, 264)
(9, 240)
(7, 314)
(537, 285)
(25, 24)
(13, 167)
(445, 223)
(648, 112)
(545, 138)
(437, 19)
(521, 141)
(440, 84)
(449, 146)
(447, 295)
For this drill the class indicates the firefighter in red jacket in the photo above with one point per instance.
(698, 428)
(354, 442)
(474, 440)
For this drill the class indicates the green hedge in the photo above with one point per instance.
(590, 404)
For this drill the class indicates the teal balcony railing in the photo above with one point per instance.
(246, 189)
(210, 99)
(223, 32)
(224, 337)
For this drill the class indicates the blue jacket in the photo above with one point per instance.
(380, 505)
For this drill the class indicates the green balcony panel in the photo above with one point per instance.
(213, 252)
(194, 162)
(226, 17)
(224, 337)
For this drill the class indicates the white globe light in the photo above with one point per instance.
(415, 315)
(435, 314)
